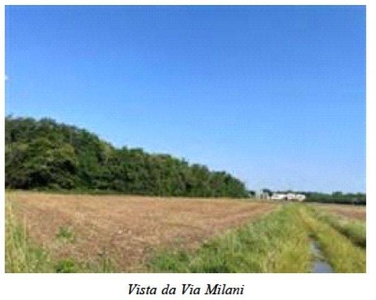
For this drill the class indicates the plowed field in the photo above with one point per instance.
(127, 229)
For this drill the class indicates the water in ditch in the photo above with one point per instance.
(319, 263)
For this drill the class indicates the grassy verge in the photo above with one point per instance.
(276, 244)
(353, 230)
(22, 255)
(340, 252)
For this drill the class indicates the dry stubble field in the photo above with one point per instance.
(346, 211)
(127, 229)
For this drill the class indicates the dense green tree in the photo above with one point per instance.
(46, 155)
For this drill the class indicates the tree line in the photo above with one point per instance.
(337, 197)
(46, 155)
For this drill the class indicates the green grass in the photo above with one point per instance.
(66, 266)
(276, 244)
(65, 234)
(69, 265)
(339, 251)
(21, 254)
(353, 230)
(356, 231)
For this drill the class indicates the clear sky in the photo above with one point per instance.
(275, 95)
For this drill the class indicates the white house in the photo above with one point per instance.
(276, 196)
(289, 196)
(264, 194)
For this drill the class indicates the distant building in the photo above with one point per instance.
(267, 194)
(277, 196)
(288, 197)
(262, 195)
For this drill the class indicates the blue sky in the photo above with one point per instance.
(274, 95)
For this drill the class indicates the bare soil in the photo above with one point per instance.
(127, 228)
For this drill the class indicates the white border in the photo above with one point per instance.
(257, 286)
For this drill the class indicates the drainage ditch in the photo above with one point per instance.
(319, 264)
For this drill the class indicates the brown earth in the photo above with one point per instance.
(347, 211)
(127, 228)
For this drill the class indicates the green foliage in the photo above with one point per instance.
(66, 266)
(65, 233)
(337, 197)
(46, 155)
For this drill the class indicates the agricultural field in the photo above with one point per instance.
(349, 212)
(88, 233)
(123, 231)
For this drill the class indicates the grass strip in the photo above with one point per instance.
(21, 255)
(278, 243)
(354, 230)
(340, 252)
